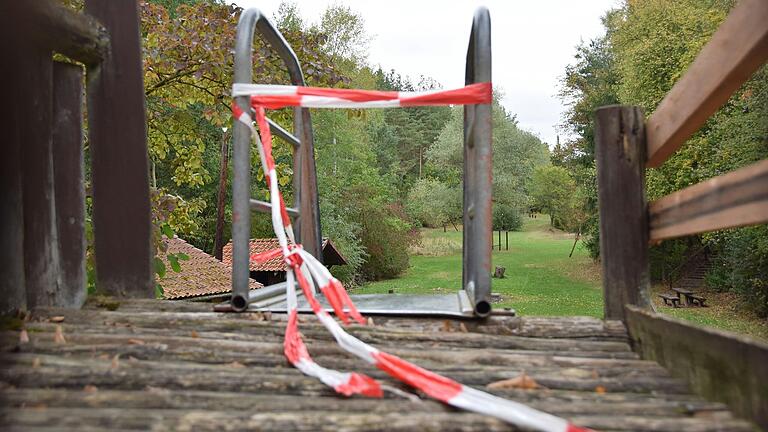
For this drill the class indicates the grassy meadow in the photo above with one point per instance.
(542, 280)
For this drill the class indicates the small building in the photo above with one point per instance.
(273, 271)
(202, 277)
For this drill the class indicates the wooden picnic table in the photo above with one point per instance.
(691, 298)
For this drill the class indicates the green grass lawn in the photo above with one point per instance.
(542, 280)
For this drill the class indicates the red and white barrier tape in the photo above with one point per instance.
(310, 273)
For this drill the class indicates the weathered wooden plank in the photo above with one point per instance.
(69, 372)
(118, 143)
(736, 50)
(205, 420)
(41, 256)
(720, 365)
(216, 351)
(138, 311)
(69, 182)
(60, 29)
(312, 420)
(12, 123)
(377, 335)
(213, 400)
(730, 200)
(620, 158)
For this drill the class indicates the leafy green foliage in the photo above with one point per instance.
(647, 47)
(516, 154)
(507, 218)
(433, 203)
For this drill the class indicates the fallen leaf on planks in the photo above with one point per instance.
(23, 336)
(56, 319)
(90, 388)
(115, 362)
(36, 363)
(600, 389)
(194, 334)
(522, 381)
(58, 337)
(135, 342)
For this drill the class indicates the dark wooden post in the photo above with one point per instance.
(13, 124)
(69, 182)
(118, 142)
(41, 255)
(620, 156)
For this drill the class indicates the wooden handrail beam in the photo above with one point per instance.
(735, 52)
(53, 26)
(731, 200)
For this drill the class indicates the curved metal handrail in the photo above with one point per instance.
(478, 182)
(305, 177)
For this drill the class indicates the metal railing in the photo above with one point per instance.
(476, 276)
(306, 209)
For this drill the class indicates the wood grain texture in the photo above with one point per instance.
(54, 27)
(720, 365)
(41, 255)
(69, 182)
(118, 143)
(141, 367)
(620, 159)
(737, 49)
(731, 200)
(11, 204)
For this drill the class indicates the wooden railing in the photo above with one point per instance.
(42, 170)
(625, 145)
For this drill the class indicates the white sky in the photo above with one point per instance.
(532, 42)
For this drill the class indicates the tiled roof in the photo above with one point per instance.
(201, 275)
(275, 264)
(258, 246)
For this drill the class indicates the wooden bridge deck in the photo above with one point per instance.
(178, 366)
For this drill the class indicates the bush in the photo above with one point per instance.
(386, 234)
(740, 265)
(506, 217)
(433, 203)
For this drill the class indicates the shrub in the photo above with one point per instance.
(506, 217)
(386, 234)
(740, 265)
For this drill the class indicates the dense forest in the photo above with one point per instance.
(646, 48)
(381, 173)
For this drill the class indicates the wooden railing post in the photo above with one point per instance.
(118, 143)
(13, 124)
(620, 156)
(41, 254)
(69, 186)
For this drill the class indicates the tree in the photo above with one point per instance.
(516, 153)
(553, 191)
(433, 203)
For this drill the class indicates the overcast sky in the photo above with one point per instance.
(532, 43)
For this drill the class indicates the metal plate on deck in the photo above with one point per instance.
(444, 305)
(453, 305)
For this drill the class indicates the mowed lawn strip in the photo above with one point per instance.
(540, 278)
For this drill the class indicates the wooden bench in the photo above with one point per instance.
(697, 299)
(672, 299)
